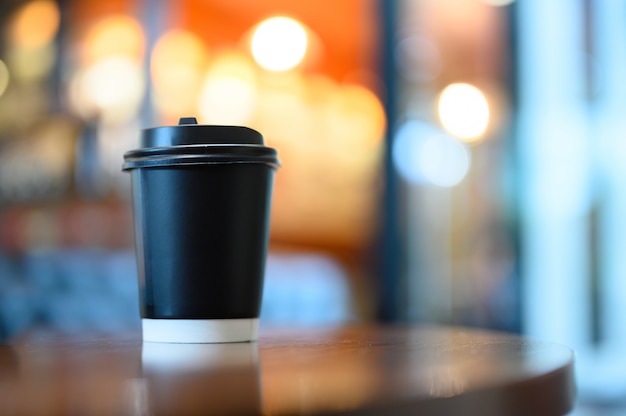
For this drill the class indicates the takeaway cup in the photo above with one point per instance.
(201, 204)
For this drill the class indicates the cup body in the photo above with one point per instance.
(201, 234)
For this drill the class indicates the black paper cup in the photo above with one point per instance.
(201, 204)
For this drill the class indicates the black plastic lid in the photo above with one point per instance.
(189, 131)
(192, 144)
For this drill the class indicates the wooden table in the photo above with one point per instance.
(348, 370)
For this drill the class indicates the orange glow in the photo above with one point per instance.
(233, 63)
(360, 116)
(175, 55)
(229, 91)
(177, 66)
(282, 112)
(115, 35)
(347, 30)
(330, 137)
(35, 24)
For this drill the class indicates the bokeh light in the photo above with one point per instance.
(35, 24)
(464, 111)
(111, 90)
(31, 64)
(114, 35)
(4, 77)
(358, 114)
(178, 63)
(229, 92)
(279, 43)
(283, 112)
(423, 154)
(110, 83)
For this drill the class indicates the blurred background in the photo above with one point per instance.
(444, 161)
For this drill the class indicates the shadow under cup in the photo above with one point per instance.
(201, 203)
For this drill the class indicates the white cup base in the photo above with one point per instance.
(199, 330)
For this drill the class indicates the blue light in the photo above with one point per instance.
(423, 154)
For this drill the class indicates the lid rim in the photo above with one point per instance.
(164, 163)
(173, 159)
(200, 149)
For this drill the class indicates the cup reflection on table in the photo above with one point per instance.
(9, 377)
(220, 379)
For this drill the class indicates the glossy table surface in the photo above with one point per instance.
(348, 370)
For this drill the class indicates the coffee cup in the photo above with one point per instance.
(201, 199)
